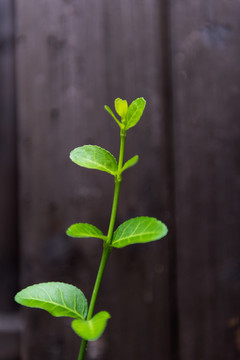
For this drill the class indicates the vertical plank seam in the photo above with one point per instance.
(16, 146)
(167, 90)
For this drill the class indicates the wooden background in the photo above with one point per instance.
(60, 62)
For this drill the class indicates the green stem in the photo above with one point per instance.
(118, 180)
(104, 259)
(105, 255)
(114, 210)
(82, 350)
(121, 153)
(107, 244)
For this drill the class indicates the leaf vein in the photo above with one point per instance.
(57, 305)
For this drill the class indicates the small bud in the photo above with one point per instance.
(121, 107)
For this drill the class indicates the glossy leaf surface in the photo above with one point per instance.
(91, 329)
(58, 298)
(135, 111)
(138, 230)
(94, 157)
(82, 230)
(131, 162)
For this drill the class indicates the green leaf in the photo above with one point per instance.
(82, 230)
(94, 157)
(135, 111)
(91, 329)
(138, 230)
(131, 162)
(121, 107)
(58, 298)
(112, 114)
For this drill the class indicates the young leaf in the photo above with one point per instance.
(107, 108)
(94, 157)
(121, 107)
(58, 298)
(135, 111)
(91, 329)
(138, 230)
(82, 230)
(131, 162)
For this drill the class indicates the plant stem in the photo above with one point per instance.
(121, 153)
(118, 180)
(82, 350)
(105, 255)
(107, 245)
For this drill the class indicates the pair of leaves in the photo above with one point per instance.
(137, 230)
(60, 299)
(131, 115)
(95, 157)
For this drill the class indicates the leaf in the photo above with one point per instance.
(94, 157)
(138, 230)
(135, 111)
(58, 298)
(91, 329)
(131, 162)
(112, 114)
(121, 107)
(82, 230)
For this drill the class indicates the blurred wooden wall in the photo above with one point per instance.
(176, 299)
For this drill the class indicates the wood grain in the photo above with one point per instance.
(8, 160)
(9, 322)
(206, 78)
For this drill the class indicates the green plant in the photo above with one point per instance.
(61, 299)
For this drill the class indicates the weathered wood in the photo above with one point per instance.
(206, 78)
(10, 329)
(74, 57)
(9, 321)
(8, 178)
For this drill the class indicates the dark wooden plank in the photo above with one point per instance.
(10, 329)
(206, 78)
(74, 57)
(10, 324)
(8, 179)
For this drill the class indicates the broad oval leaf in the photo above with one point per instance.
(94, 157)
(135, 111)
(58, 298)
(131, 162)
(121, 107)
(91, 329)
(138, 230)
(82, 230)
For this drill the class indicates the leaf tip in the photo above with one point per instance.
(68, 232)
(17, 298)
(165, 229)
(72, 153)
